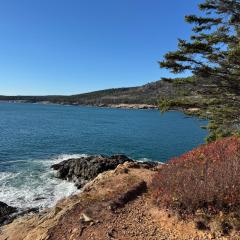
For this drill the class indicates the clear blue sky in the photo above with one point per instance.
(75, 46)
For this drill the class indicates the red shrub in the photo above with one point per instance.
(207, 177)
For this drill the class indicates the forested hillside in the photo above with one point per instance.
(146, 94)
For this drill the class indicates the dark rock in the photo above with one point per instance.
(20, 213)
(130, 195)
(5, 212)
(8, 213)
(144, 164)
(39, 198)
(84, 169)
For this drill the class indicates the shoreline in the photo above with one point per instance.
(112, 187)
(190, 112)
(114, 106)
(78, 180)
(101, 209)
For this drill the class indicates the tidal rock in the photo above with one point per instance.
(84, 169)
(5, 212)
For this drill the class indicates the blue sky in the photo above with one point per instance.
(75, 46)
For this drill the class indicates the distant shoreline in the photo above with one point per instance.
(118, 106)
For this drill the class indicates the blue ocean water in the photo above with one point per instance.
(34, 136)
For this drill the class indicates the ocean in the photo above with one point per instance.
(35, 136)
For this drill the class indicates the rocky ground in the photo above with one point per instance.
(117, 204)
(129, 106)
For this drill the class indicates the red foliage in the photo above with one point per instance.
(206, 177)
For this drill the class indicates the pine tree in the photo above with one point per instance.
(214, 48)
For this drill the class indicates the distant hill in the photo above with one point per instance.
(147, 94)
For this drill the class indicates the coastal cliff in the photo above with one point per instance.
(133, 199)
(112, 204)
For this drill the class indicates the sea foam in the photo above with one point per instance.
(35, 186)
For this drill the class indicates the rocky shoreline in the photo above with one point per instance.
(5, 212)
(108, 184)
(84, 169)
(115, 202)
(120, 106)
(78, 170)
(129, 106)
(8, 213)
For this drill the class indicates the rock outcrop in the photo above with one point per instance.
(5, 212)
(84, 169)
(8, 213)
(117, 204)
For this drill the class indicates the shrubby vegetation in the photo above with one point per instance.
(206, 177)
(180, 81)
(203, 180)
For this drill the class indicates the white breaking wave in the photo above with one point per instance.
(36, 186)
(7, 175)
(144, 160)
(148, 160)
(60, 158)
(16, 161)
